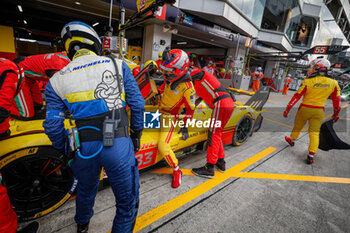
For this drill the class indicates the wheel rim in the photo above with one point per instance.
(243, 130)
(36, 183)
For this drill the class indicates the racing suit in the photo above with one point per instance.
(316, 91)
(8, 87)
(89, 88)
(257, 76)
(37, 68)
(287, 81)
(177, 96)
(211, 91)
(8, 217)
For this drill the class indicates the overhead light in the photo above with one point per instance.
(77, 2)
(26, 40)
(20, 8)
(181, 42)
(24, 21)
(95, 24)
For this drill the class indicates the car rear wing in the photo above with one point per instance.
(259, 99)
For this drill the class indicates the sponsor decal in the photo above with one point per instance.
(95, 63)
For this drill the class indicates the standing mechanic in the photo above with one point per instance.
(257, 76)
(10, 78)
(209, 67)
(178, 98)
(37, 68)
(316, 89)
(96, 90)
(287, 82)
(215, 96)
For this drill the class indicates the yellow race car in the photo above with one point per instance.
(39, 179)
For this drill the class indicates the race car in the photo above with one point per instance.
(39, 179)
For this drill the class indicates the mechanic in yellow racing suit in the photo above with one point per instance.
(316, 89)
(179, 94)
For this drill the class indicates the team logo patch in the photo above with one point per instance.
(151, 120)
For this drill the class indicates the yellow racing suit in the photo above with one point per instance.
(316, 91)
(174, 100)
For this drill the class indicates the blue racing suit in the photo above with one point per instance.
(87, 87)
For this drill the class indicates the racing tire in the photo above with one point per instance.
(243, 130)
(37, 181)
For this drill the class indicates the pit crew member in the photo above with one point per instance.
(178, 97)
(37, 68)
(316, 89)
(215, 96)
(10, 78)
(96, 88)
(257, 76)
(287, 81)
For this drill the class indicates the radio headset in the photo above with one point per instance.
(111, 125)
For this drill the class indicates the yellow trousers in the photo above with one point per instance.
(315, 117)
(165, 138)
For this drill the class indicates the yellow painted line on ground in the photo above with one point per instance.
(271, 176)
(175, 203)
(278, 123)
(293, 177)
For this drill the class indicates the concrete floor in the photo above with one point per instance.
(240, 204)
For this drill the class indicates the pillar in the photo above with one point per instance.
(153, 42)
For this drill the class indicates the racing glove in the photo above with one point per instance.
(136, 138)
(296, 97)
(335, 116)
(184, 132)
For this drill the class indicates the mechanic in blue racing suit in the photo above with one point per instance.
(92, 88)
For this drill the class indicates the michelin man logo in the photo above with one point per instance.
(151, 120)
(109, 91)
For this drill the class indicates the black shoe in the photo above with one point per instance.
(310, 160)
(83, 228)
(207, 171)
(31, 228)
(221, 165)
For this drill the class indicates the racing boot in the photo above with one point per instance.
(221, 165)
(177, 177)
(31, 228)
(83, 228)
(207, 171)
(310, 159)
(290, 141)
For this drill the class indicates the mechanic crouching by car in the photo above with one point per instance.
(96, 90)
(37, 68)
(209, 89)
(178, 98)
(316, 89)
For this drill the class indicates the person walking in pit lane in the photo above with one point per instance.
(178, 95)
(96, 90)
(216, 97)
(316, 89)
(287, 82)
(257, 76)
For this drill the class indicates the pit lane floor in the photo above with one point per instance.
(267, 187)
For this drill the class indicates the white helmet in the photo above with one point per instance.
(289, 75)
(259, 69)
(77, 35)
(318, 66)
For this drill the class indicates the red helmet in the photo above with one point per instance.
(318, 66)
(175, 64)
(19, 71)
